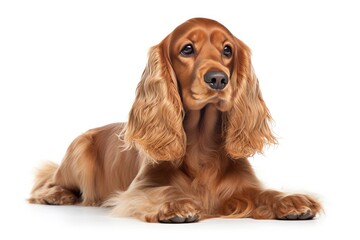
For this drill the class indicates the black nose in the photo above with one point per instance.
(216, 79)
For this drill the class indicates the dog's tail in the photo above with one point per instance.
(43, 179)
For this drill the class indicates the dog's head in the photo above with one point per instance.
(199, 63)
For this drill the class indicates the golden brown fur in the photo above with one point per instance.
(182, 155)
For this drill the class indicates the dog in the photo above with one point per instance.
(182, 156)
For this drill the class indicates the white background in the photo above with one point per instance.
(67, 66)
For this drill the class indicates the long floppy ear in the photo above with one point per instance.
(247, 123)
(155, 121)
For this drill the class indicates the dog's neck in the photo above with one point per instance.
(203, 123)
(204, 141)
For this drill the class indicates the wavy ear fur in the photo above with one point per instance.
(247, 123)
(155, 121)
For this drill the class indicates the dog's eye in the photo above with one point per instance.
(227, 51)
(187, 50)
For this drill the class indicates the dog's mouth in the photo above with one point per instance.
(196, 101)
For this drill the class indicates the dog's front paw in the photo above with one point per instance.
(180, 211)
(297, 207)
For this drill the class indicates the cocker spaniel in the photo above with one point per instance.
(182, 156)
